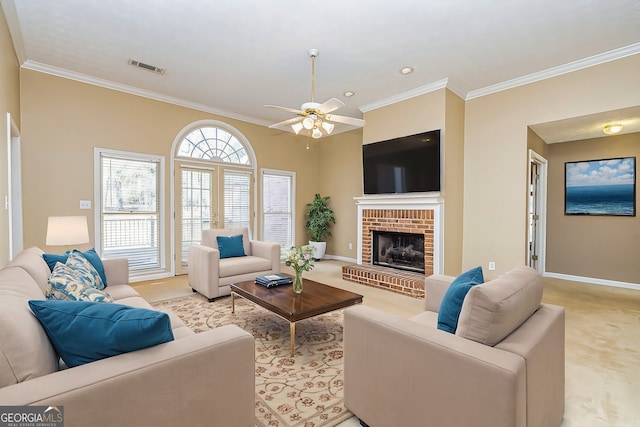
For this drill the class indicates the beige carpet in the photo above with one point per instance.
(305, 390)
(602, 341)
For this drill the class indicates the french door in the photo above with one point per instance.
(196, 209)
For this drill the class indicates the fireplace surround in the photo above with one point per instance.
(406, 213)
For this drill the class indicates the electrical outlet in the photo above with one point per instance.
(350, 245)
(85, 204)
(492, 265)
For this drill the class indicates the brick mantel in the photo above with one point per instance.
(413, 213)
(410, 209)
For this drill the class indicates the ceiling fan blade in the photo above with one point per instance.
(291, 110)
(345, 120)
(285, 123)
(331, 105)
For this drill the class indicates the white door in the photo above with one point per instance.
(196, 209)
(536, 210)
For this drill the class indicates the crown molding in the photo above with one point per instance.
(403, 96)
(11, 16)
(580, 64)
(83, 78)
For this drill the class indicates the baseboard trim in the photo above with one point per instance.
(145, 277)
(340, 258)
(594, 281)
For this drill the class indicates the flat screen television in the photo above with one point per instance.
(409, 164)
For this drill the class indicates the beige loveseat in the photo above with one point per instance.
(196, 380)
(503, 367)
(213, 276)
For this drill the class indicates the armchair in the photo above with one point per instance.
(212, 276)
(503, 367)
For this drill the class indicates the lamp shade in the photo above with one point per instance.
(67, 230)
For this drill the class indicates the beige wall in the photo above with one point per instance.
(440, 109)
(495, 151)
(9, 103)
(603, 247)
(63, 120)
(341, 179)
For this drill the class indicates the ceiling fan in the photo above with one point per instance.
(313, 116)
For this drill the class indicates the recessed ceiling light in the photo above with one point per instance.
(406, 70)
(349, 93)
(613, 128)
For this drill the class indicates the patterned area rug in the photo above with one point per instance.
(305, 390)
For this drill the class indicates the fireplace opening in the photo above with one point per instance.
(404, 251)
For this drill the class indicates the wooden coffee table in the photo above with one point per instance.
(315, 299)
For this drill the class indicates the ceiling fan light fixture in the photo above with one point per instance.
(316, 133)
(328, 127)
(308, 123)
(613, 128)
(297, 127)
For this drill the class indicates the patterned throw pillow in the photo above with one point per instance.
(84, 268)
(66, 283)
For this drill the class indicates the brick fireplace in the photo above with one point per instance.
(399, 214)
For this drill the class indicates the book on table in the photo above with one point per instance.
(271, 280)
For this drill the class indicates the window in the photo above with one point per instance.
(129, 204)
(215, 180)
(237, 199)
(278, 189)
(213, 143)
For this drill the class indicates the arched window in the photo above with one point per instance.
(214, 183)
(214, 143)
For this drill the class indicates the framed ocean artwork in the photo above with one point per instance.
(600, 187)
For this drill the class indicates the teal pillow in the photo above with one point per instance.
(91, 255)
(83, 332)
(230, 246)
(454, 297)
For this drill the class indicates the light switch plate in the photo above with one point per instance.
(85, 204)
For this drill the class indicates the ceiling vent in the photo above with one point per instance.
(147, 67)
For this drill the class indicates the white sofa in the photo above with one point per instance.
(196, 380)
(212, 276)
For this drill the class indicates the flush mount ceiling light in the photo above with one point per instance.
(406, 70)
(349, 94)
(613, 128)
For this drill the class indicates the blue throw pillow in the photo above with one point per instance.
(91, 255)
(454, 297)
(83, 331)
(230, 246)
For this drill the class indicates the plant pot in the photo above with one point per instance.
(319, 249)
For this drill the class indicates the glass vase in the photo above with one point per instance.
(297, 284)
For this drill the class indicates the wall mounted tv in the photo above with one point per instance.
(409, 164)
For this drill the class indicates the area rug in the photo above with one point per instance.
(305, 390)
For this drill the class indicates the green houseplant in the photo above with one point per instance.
(319, 219)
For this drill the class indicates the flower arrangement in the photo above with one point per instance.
(300, 259)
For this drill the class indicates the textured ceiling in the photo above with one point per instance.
(233, 57)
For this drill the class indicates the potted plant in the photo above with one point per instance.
(319, 219)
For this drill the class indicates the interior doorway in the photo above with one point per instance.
(537, 211)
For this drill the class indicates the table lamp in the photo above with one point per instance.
(67, 230)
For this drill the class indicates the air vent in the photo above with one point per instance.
(147, 67)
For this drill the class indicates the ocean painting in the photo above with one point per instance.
(601, 187)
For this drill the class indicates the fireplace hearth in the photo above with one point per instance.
(404, 251)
